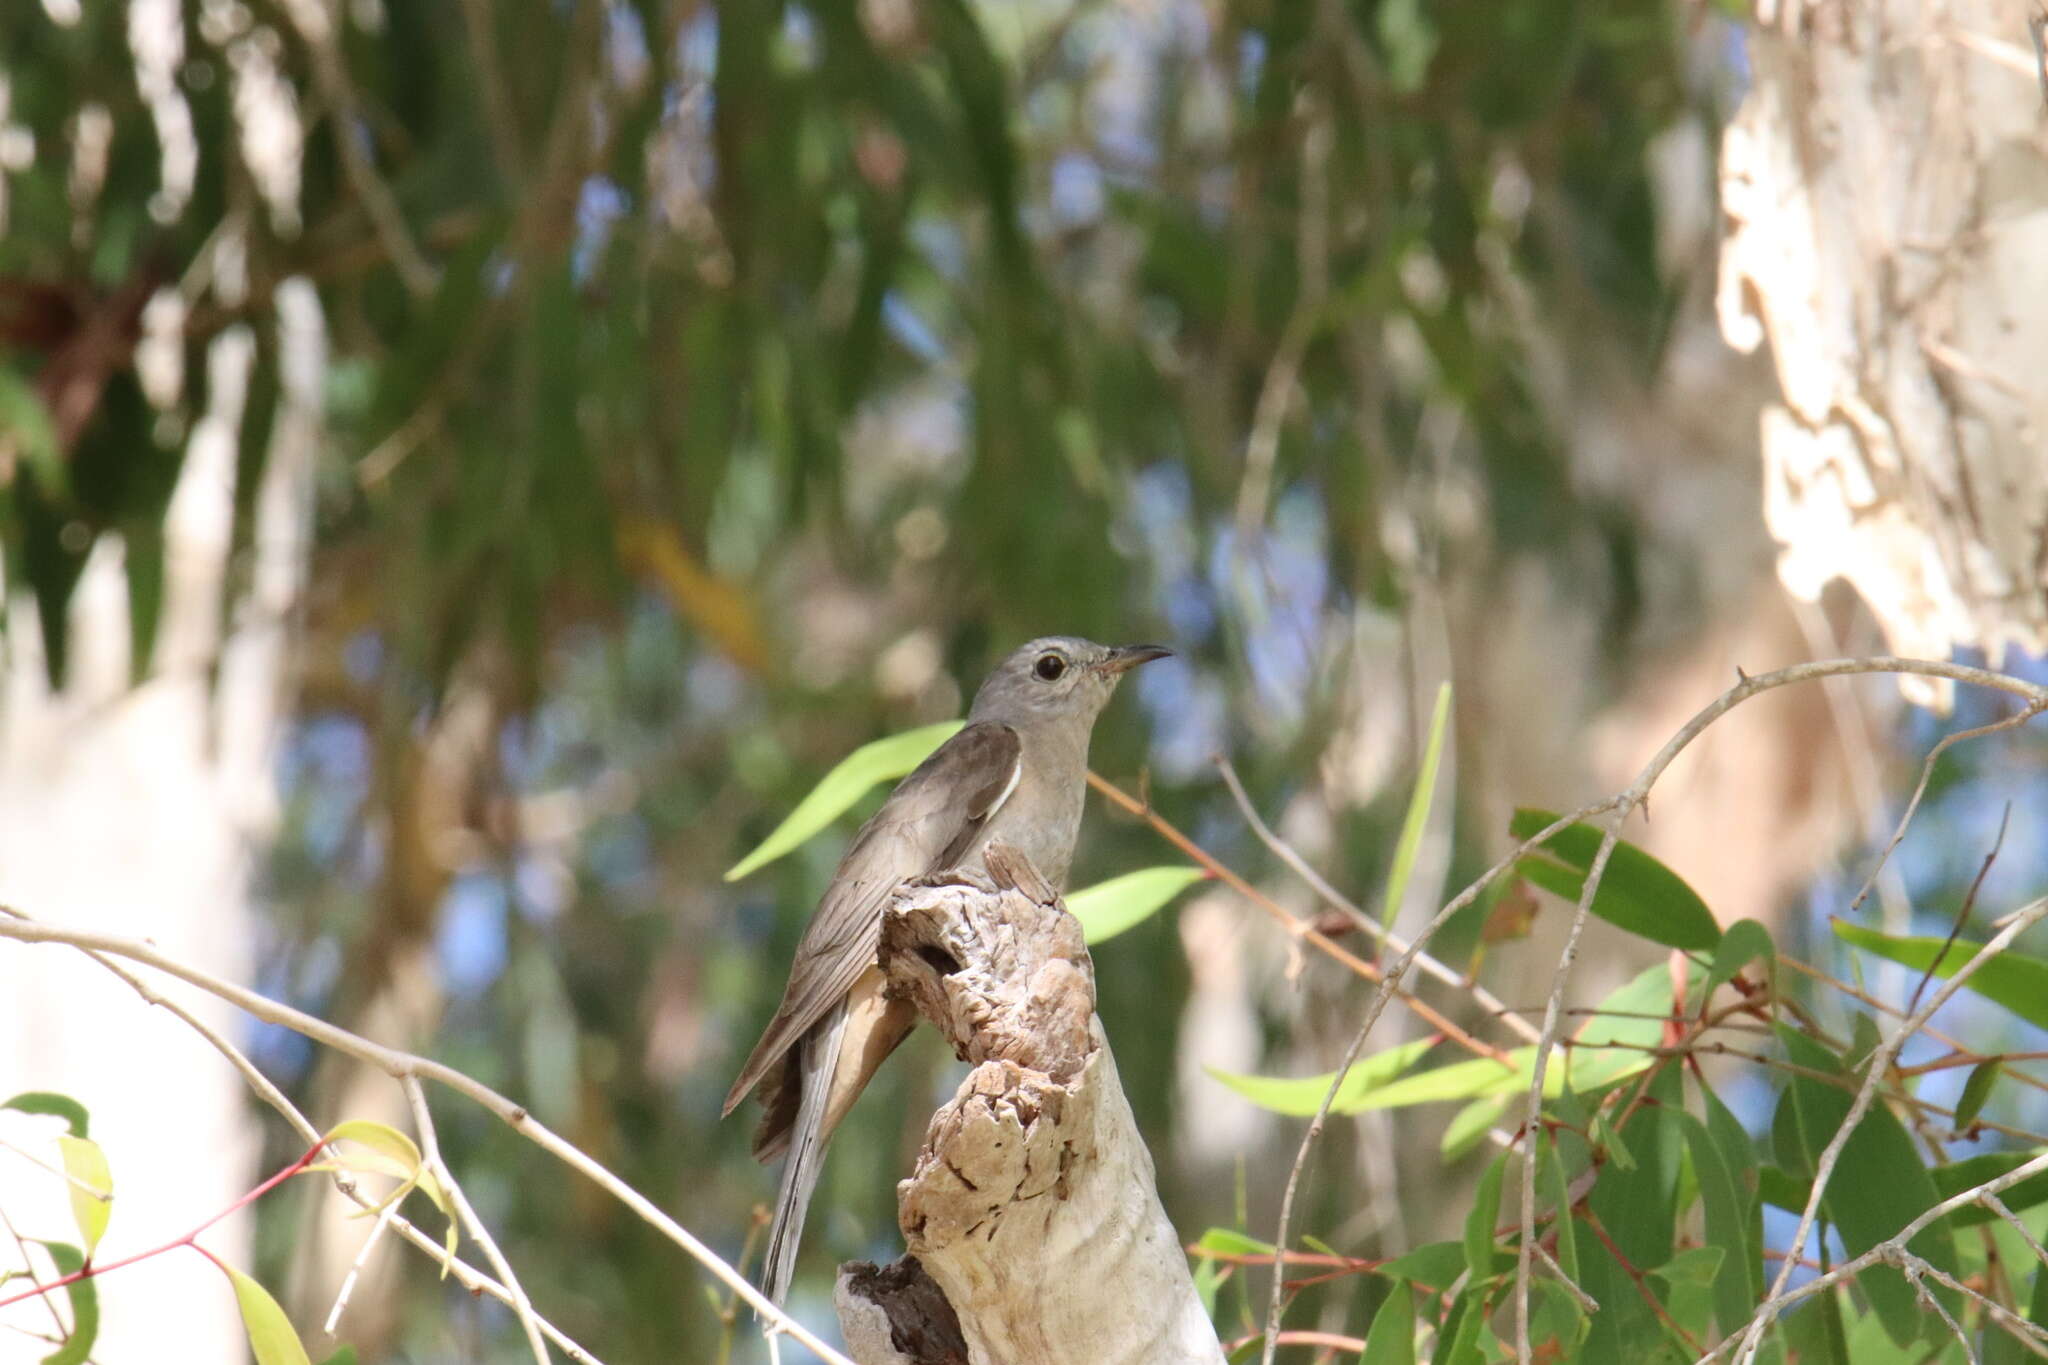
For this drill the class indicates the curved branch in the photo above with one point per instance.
(399, 1065)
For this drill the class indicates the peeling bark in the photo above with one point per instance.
(1885, 185)
(1032, 1220)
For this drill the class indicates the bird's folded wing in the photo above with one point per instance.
(927, 825)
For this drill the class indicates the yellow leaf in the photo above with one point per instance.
(271, 1338)
(86, 1164)
(386, 1151)
(699, 596)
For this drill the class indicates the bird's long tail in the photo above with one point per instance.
(817, 1057)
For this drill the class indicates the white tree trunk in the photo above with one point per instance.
(1033, 1223)
(134, 809)
(1885, 183)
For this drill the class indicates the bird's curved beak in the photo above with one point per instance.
(1124, 658)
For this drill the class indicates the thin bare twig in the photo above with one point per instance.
(467, 1275)
(1890, 1251)
(1380, 934)
(1880, 1061)
(1298, 927)
(430, 1154)
(1963, 911)
(1636, 795)
(1942, 746)
(399, 1064)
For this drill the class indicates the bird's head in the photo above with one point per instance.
(1055, 677)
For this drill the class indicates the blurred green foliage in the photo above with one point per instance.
(712, 389)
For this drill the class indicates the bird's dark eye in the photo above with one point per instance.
(1049, 667)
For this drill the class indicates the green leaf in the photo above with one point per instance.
(1436, 1265)
(1637, 893)
(86, 1164)
(1696, 1265)
(1391, 1340)
(1976, 1090)
(1586, 1065)
(1955, 1177)
(1558, 1325)
(1416, 823)
(1481, 1218)
(1608, 1138)
(1742, 943)
(345, 1355)
(386, 1151)
(1231, 1242)
(1555, 1189)
(1458, 1342)
(858, 773)
(271, 1338)
(1471, 1124)
(2003, 1346)
(1302, 1096)
(1877, 1187)
(1108, 908)
(84, 1296)
(2014, 980)
(26, 422)
(45, 1102)
(1726, 1205)
(1691, 1277)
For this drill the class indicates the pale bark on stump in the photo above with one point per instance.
(1033, 1223)
(1885, 186)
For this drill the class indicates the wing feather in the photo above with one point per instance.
(924, 827)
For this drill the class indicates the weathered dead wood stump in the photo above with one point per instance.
(1033, 1223)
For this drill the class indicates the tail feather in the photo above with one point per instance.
(817, 1058)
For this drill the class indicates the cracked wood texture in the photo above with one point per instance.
(1885, 189)
(1033, 1224)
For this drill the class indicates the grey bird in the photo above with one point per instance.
(1016, 772)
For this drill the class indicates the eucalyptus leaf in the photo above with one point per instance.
(1976, 1090)
(1471, 1124)
(92, 1205)
(1482, 1217)
(882, 760)
(1742, 943)
(57, 1106)
(271, 1337)
(1878, 1185)
(1108, 908)
(1637, 893)
(2012, 979)
(84, 1298)
(1391, 1340)
(1416, 823)
(1302, 1096)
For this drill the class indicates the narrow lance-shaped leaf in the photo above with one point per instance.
(91, 1187)
(1878, 1184)
(2015, 980)
(84, 1297)
(1419, 801)
(271, 1338)
(1481, 1219)
(1231, 1242)
(387, 1151)
(1391, 1341)
(1976, 1090)
(1470, 1124)
(58, 1106)
(858, 773)
(1303, 1096)
(1108, 908)
(1744, 942)
(1637, 893)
